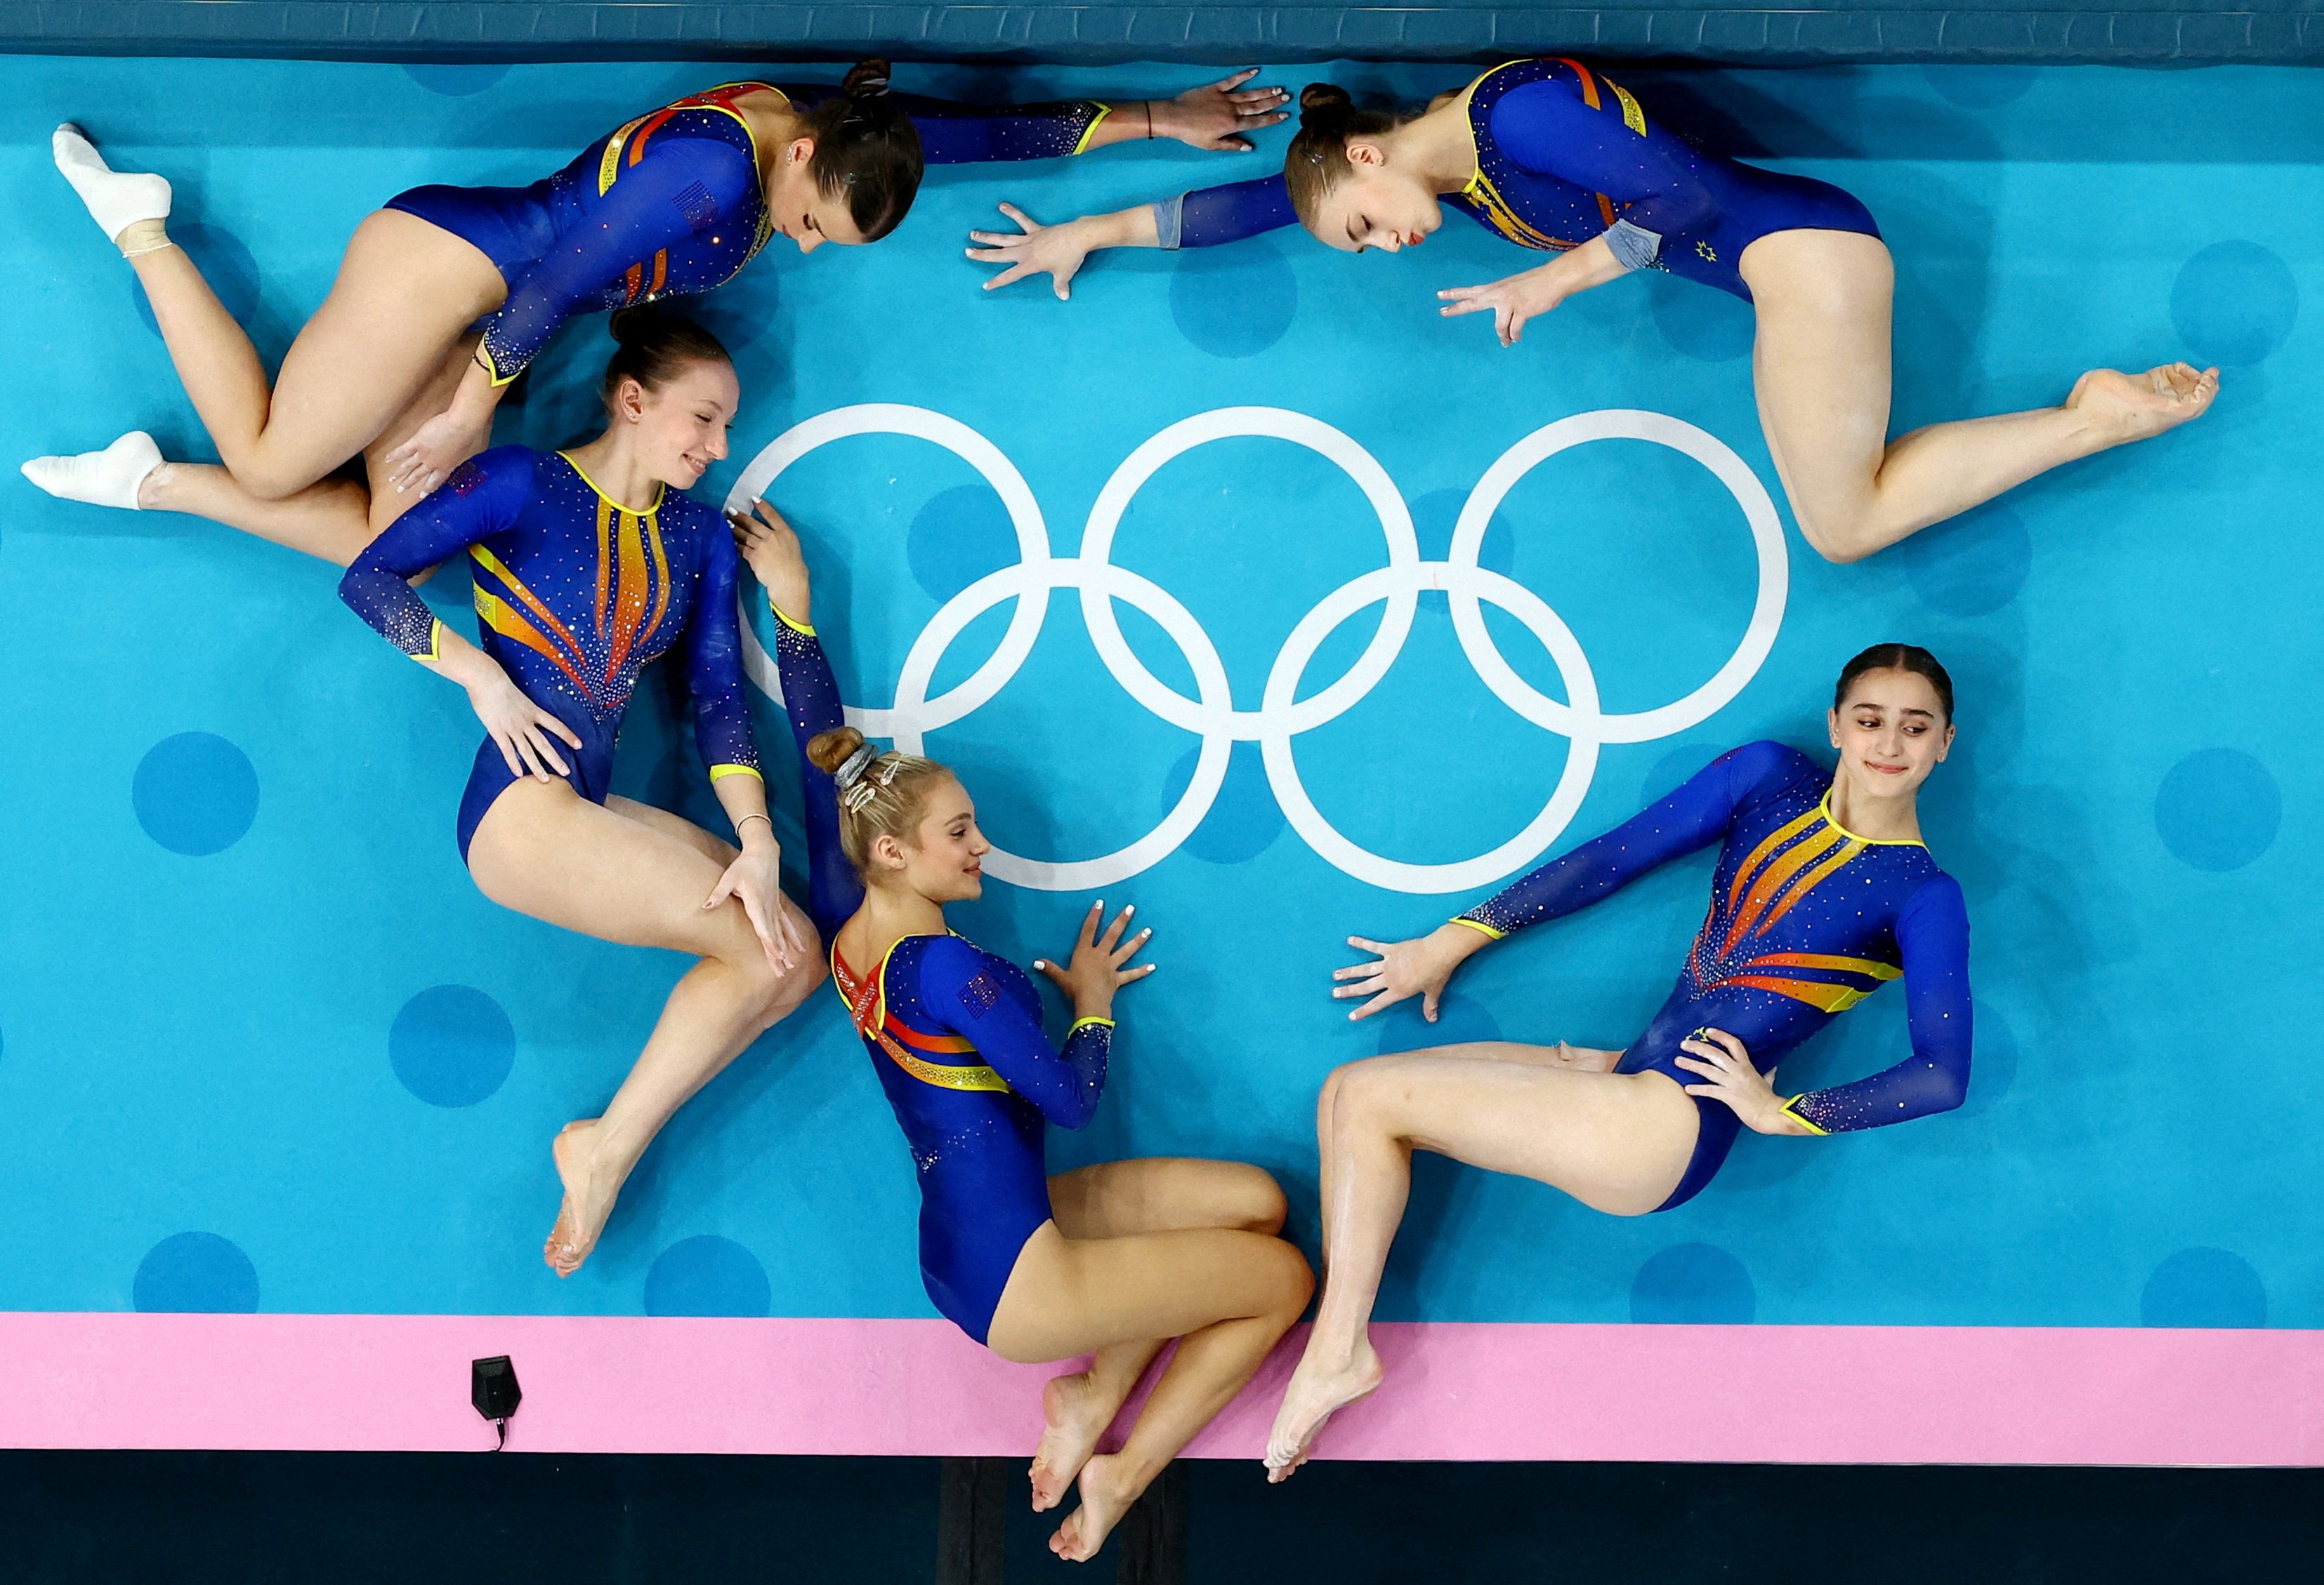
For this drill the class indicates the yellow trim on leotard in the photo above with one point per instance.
(1481, 928)
(1091, 129)
(1790, 1110)
(660, 490)
(800, 628)
(435, 650)
(1079, 1022)
(718, 773)
(1824, 808)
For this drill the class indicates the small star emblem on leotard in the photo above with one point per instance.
(1707, 251)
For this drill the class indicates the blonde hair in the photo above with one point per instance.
(1317, 159)
(880, 794)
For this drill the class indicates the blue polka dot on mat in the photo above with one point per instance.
(960, 534)
(225, 264)
(451, 1045)
(1402, 1028)
(1972, 566)
(1244, 818)
(1693, 1283)
(2218, 809)
(458, 82)
(1233, 302)
(196, 1273)
(2204, 1287)
(195, 793)
(2235, 303)
(1675, 768)
(1700, 321)
(708, 1275)
(1981, 87)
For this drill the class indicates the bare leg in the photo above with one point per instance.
(1617, 1143)
(1821, 366)
(1108, 1201)
(1227, 1294)
(405, 293)
(543, 849)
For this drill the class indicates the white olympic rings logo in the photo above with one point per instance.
(1282, 715)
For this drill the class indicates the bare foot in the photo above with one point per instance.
(1318, 1390)
(2136, 407)
(586, 1204)
(1106, 1495)
(1077, 1417)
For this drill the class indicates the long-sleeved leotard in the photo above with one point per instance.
(675, 202)
(574, 596)
(1562, 155)
(954, 1034)
(1806, 920)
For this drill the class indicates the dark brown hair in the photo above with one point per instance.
(866, 150)
(1895, 657)
(1317, 159)
(654, 347)
(888, 796)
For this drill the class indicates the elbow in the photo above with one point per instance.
(1949, 1093)
(351, 583)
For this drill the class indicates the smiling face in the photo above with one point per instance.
(1378, 203)
(1891, 731)
(944, 861)
(679, 428)
(799, 209)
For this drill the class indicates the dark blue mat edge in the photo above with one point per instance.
(1104, 34)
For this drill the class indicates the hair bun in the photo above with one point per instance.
(1325, 97)
(866, 79)
(629, 327)
(828, 751)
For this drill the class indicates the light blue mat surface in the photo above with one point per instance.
(262, 1044)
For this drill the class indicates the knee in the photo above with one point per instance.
(1295, 1281)
(1257, 1204)
(787, 989)
(1365, 1090)
(1839, 537)
(267, 478)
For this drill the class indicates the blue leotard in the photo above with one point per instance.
(954, 1034)
(1806, 920)
(574, 596)
(675, 202)
(1565, 154)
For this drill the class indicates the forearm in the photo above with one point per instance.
(1594, 263)
(1132, 228)
(1129, 122)
(478, 398)
(744, 799)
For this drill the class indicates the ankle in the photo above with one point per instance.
(144, 236)
(154, 489)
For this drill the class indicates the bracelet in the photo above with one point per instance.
(746, 819)
(1147, 106)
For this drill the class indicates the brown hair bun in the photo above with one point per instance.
(828, 751)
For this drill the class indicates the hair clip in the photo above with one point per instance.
(852, 768)
(853, 800)
(888, 772)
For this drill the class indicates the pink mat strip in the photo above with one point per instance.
(1757, 1394)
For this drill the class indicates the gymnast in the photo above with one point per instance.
(1112, 1260)
(447, 293)
(589, 564)
(1822, 891)
(1551, 155)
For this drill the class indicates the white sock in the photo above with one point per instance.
(102, 478)
(116, 199)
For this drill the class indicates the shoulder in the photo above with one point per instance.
(975, 979)
(1769, 764)
(701, 525)
(505, 473)
(1937, 903)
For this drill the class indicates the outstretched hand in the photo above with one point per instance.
(771, 549)
(1728, 1076)
(1405, 969)
(518, 727)
(1097, 968)
(1217, 116)
(1511, 300)
(426, 460)
(1057, 251)
(755, 880)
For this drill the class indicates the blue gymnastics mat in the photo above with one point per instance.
(264, 1046)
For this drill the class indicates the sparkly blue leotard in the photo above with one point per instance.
(675, 202)
(954, 1034)
(1806, 920)
(1564, 155)
(574, 596)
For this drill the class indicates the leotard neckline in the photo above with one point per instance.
(660, 490)
(1824, 808)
